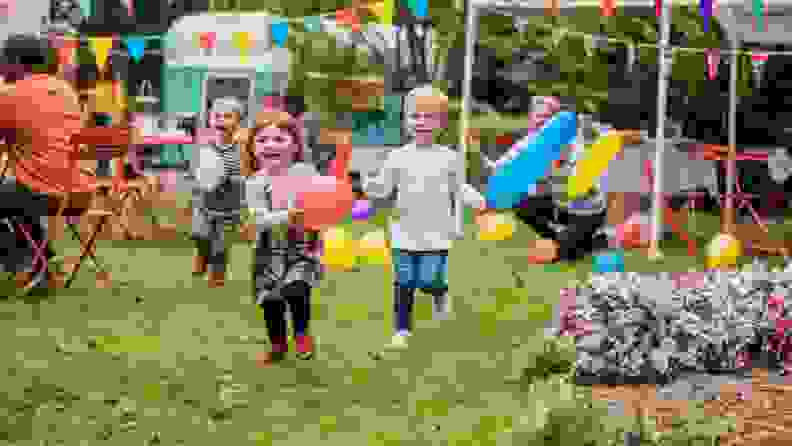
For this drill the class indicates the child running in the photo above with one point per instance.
(425, 175)
(286, 266)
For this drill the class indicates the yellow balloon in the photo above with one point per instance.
(339, 260)
(723, 251)
(593, 163)
(335, 238)
(496, 227)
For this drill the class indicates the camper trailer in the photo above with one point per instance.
(193, 77)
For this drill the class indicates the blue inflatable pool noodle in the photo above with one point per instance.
(512, 181)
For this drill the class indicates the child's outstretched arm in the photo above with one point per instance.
(258, 197)
(382, 182)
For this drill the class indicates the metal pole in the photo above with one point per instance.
(467, 98)
(662, 99)
(727, 218)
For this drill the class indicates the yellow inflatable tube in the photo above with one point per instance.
(594, 162)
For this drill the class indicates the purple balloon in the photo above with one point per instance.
(362, 210)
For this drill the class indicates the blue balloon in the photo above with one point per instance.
(610, 262)
(509, 184)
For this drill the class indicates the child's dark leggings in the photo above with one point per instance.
(579, 234)
(297, 295)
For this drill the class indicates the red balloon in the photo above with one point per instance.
(326, 205)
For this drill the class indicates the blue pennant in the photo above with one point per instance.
(313, 24)
(136, 46)
(280, 30)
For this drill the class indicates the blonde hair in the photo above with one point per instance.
(267, 119)
(424, 91)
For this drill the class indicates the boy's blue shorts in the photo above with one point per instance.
(423, 270)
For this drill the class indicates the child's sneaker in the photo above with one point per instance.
(305, 347)
(399, 341)
(278, 353)
(442, 308)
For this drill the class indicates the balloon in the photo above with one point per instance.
(610, 262)
(634, 233)
(512, 181)
(340, 259)
(362, 210)
(496, 227)
(723, 251)
(373, 247)
(593, 163)
(334, 238)
(325, 200)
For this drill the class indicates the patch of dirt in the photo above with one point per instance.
(761, 406)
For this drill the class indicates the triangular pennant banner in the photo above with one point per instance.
(207, 39)
(705, 7)
(101, 47)
(421, 8)
(658, 7)
(85, 7)
(759, 13)
(607, 8)
(388, 7)
(136, 46)
(313, 24)
(280, 30)
(713, 61)
(411, 5)
(759, 59)
(243, 43)
(348, 17)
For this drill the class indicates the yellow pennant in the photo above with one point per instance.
(242, 40)
(383, 11)
(101, 47)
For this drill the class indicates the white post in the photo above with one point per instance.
(662, 99)
(464, 121)
(731, 165)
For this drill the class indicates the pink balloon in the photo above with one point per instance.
(325, 200)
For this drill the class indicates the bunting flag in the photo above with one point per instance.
(705, 7)
(101, 47)
(85, 7)
(382, 10)
(136, 47)
(280, 30)
(758, 59)
(658, 8)
(759, 14)
(207, 40)
(313, 24)
(608, 8)
(243, 43)
(66, 48)
(712, 56)
(348, 17)
(553, 7)
(421, 8)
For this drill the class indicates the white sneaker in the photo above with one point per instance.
(399, 341)
(442, 309)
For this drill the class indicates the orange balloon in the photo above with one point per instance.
(326, 204)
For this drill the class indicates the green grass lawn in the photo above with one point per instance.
(162, 355)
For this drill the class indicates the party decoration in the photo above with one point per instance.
(339, 253)
(101, 47)
(7, 8)
(712, 56)
(607, 8)
(373, 248)
(348, 17)
(635, 232)
(593, 163)
(519, 176)
(609, 262)
(243, 43)
(207, 40)
(362, 210)
(723, 251)
(759, 14)
(66, 49)
(705, 7)
(552, 7)
(383, 10)
(136, 47)
(496, 227)
(313, 24)
(658, 8)
(85, 7)
(421, 9)
(280, 30)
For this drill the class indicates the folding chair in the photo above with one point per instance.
(668, 213)
(39, 254)
(87, 246)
